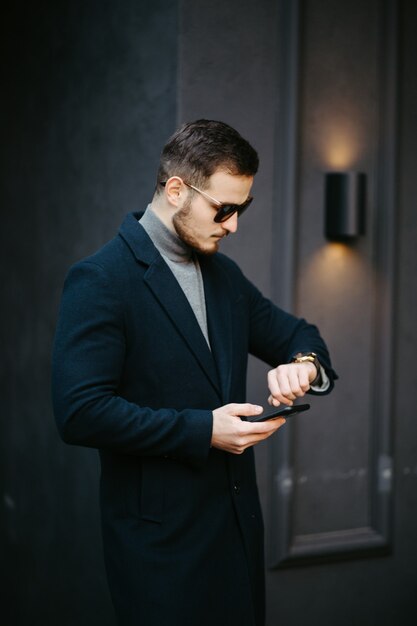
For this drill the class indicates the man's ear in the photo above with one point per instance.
(174, 189)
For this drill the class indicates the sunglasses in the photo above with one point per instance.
(224, 210)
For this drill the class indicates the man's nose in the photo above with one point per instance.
(231, 223)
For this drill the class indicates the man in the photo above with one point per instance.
(150, 368)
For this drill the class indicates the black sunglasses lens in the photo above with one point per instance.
(227, 210)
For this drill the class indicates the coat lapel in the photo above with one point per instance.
(169, 294)
(171, 297)
(219, 318)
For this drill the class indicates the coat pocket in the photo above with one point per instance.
(152, 493)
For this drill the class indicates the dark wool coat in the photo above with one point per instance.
(134, 377)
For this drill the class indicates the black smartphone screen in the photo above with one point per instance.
(279, 412)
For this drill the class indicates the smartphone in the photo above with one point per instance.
(278, 412)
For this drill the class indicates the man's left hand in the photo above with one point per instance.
(290, 381)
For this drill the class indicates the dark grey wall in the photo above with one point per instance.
(88, 98)
(90, 92)
(350, 468)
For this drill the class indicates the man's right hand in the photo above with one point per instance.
(234, 435)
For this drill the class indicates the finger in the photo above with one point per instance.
(281, 387)
(262, 428)
(275, 402)
(263, 431)
(286, 385)
(276, 397)
(294, 375)
(284, 400)
(304, 379)
(245, 410)
(273, 384)
(273, 425)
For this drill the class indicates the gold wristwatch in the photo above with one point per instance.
(302, 357)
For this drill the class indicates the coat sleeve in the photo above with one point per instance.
(87, 365)
(276, 336)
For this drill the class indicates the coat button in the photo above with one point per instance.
(236, 488)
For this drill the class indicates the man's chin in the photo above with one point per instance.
(208, 250)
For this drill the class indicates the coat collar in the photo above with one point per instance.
(160, 280)
(137, 239)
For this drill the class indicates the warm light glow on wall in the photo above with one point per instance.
(334, 269)
(337, 286)
(334, 257)
(339, 144)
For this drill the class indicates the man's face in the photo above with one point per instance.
(194, 221)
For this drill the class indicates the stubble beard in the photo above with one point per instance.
(181, 221)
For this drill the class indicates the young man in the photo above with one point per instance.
(150, 368)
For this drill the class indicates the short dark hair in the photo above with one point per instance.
(198, 149)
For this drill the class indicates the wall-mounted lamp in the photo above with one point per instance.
(345, 205)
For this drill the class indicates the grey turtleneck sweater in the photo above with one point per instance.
(183, 263)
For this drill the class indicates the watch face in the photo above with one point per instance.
(306, 355)
(311, 356)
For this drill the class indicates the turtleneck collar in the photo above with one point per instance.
(167, 242)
